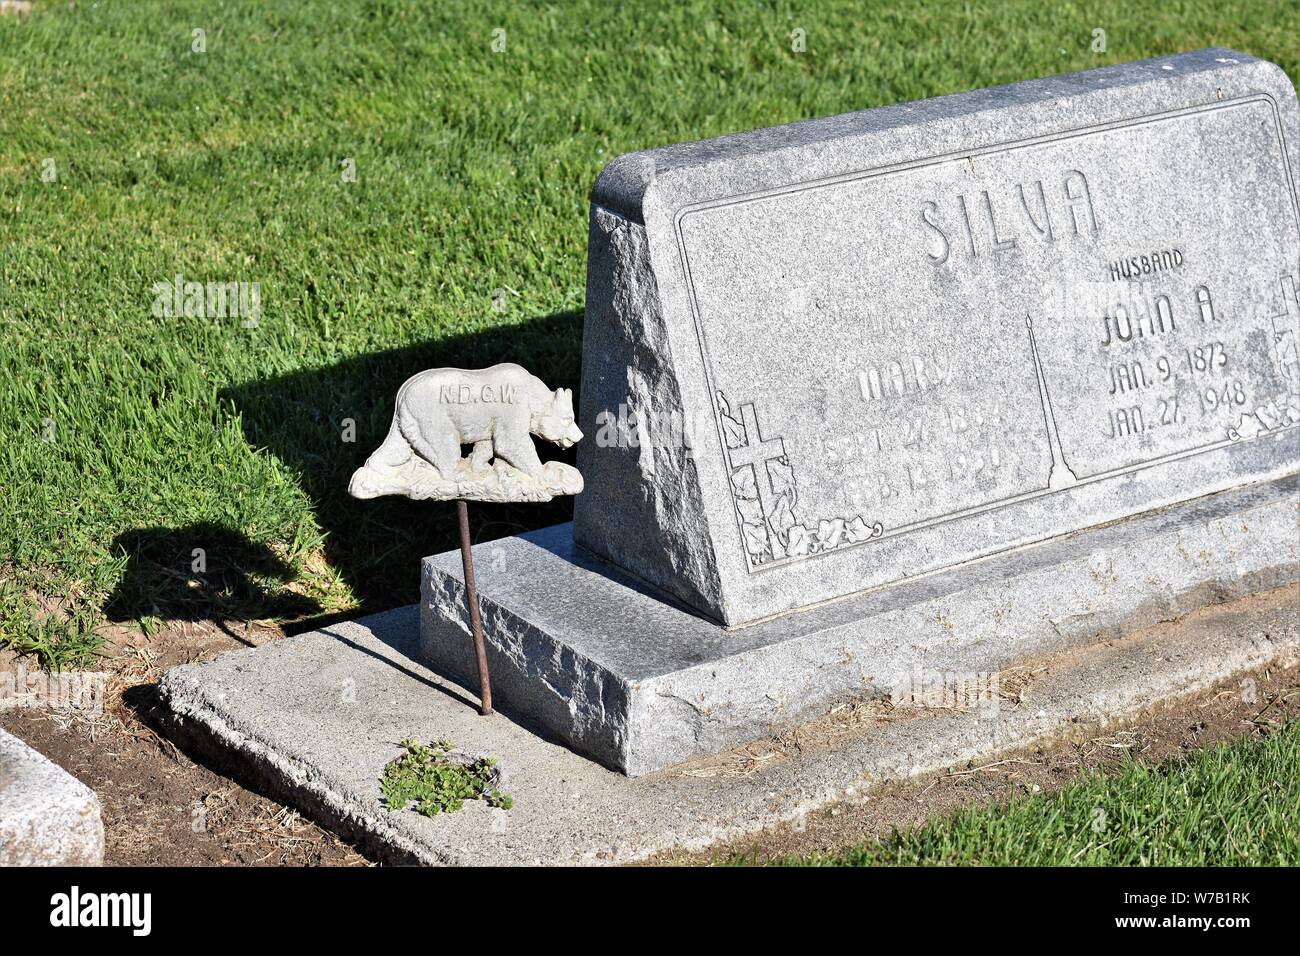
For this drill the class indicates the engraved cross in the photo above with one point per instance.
(758, 453)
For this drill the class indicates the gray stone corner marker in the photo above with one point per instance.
(47, 816)
(941, 388)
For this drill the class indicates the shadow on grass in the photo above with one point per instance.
(377, 545)
(202, 571)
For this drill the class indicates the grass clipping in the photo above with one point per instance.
(431, 781)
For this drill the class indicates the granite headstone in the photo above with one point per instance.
(843, 353)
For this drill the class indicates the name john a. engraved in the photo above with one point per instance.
(1194, 352)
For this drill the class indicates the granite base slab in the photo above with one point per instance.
(313, 719)
(589, 656)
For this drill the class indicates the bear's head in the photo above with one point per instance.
(555, 421)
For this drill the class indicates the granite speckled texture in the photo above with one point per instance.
(842, 353)
(599, 661)
(47, 816)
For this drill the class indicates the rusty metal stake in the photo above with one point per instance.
(471, 595)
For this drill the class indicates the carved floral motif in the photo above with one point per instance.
(767, 499)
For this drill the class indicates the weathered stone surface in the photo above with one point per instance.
(588, 654)
(418, 480)
(47, 816)
(496, 411)
(844, 353)
(315, 717)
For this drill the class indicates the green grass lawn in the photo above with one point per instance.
(127, 441)
(1233, 805)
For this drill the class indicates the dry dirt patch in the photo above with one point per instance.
(1161, 734)
(159, 806)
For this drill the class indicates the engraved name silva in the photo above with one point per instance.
(945, 337)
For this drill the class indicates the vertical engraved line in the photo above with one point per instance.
(1061, 475)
